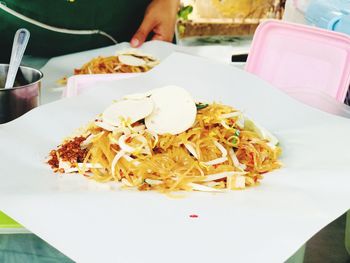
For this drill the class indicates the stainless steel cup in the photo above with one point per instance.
(23, 97)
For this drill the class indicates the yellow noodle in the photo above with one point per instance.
(173, 167)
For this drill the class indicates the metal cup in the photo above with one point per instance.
(23, 97)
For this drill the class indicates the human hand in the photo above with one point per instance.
(160, 17)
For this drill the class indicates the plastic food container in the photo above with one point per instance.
(224, 21)
(332, 15)
(291, 55)
(81, 83)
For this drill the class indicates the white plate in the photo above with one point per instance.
(90, 222)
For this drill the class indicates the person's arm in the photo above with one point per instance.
(160, 18)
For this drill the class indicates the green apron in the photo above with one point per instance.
(118, 18)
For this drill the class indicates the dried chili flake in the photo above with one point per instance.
(70, 151)
(194, 216)
(53, 161)
(128, 140)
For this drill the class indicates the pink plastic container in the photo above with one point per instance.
(293, 56)
(81, 83)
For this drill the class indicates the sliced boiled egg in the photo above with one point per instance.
(134, 52)
(127, 110)
(135, 96)
(131, 60)
(138, 96)
(174, 111)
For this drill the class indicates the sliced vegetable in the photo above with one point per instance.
(235, 160)
(234, 140)
(126, 182)
(191, 148)
(231, 115)
(221, 148)
(215, 161)
(115, 161)
(203, 188)
(105, 126)
(200, 106)
(122, 142)
(184, 12)
(153, 182)
(260, 131)
(222, 159)
(218, 176)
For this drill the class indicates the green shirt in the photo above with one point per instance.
(118, 18)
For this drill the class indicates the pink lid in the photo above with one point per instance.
(297, 56)
(81, 83)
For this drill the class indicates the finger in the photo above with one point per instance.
(163, 34)
(140, 36)
(158, 37)
(167, 38)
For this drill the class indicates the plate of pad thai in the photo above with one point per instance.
(123, 61)
(166, 141)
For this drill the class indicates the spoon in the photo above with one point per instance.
(20, 42)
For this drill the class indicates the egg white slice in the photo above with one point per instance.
(134, 52)
(128, 110)
(130, 60)
(174, 111)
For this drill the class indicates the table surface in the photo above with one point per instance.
(34, 62)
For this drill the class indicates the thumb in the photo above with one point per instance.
(141, 34)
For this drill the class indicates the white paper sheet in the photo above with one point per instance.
(94, 223)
